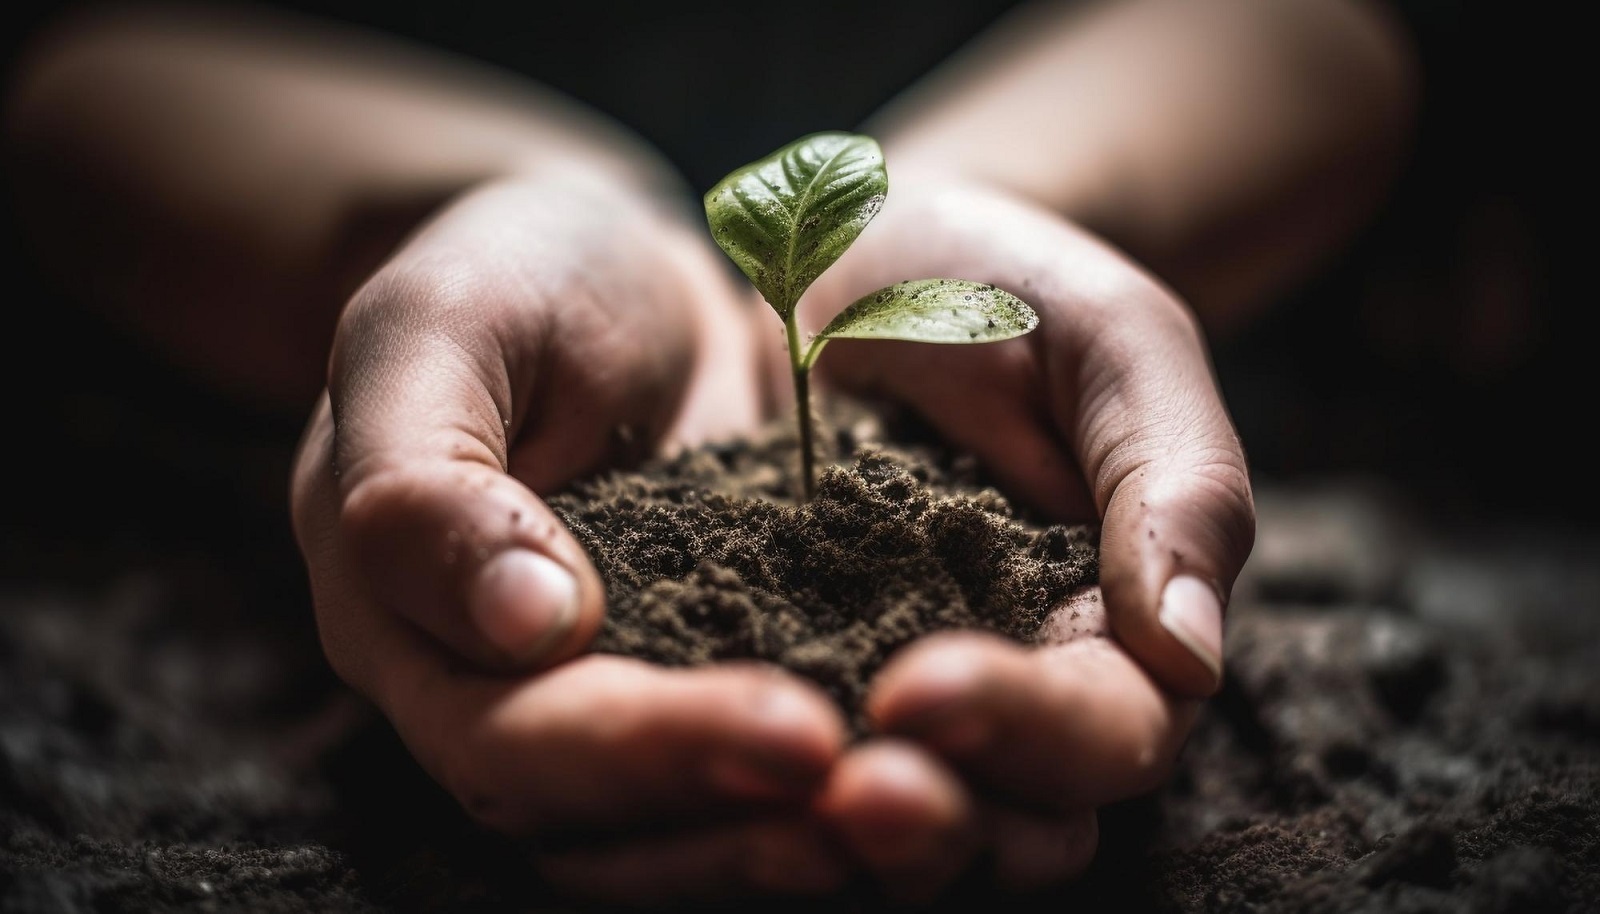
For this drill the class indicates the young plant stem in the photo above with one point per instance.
(786, 218)
(802, 406)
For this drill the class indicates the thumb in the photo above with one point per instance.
(436, 528)
(1175, 534)
(470, 555)
(1169, 476)
(551, 313)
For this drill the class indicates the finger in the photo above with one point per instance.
(1026, 458)
(439, 367)
(604, 742)
(726, 394)
(474, 558)
(786, 857)
(904, 815)
(1033, 852)
(597, 742)
(1168, 473)
(1063, 727)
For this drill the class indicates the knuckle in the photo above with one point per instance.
(372, 501)
(1120, 306)
(1132, 300)
(1212, 479)
(1227, 487)
(434, 312)
(1206, 493)
(420, 291)
(1216, 494)
(377, 508)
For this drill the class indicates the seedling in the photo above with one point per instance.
(786, 218)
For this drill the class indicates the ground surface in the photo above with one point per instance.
(1411, 723)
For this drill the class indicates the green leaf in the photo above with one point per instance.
(934, 311)
(788, 217)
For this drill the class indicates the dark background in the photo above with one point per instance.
(1441, 350)
(171, 739)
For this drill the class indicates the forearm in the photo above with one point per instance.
(1226, 144)
(222, 183)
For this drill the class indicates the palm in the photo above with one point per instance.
(532, 332)
(1107, 412)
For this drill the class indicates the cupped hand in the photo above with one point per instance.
(1108, 412)
(533, 331)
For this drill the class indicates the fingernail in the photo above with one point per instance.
(1192, 612)
(525, 604)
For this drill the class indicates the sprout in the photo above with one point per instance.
(786, 218)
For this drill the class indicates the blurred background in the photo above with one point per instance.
(1416, 413)
(1440, 351)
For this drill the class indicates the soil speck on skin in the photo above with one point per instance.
(705, 559)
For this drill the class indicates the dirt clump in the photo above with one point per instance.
(707, 558)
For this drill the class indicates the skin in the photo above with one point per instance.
(476, 319)
(1107, 411)
(1226, 146)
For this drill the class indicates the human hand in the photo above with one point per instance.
(1108, 411)
(534, 331)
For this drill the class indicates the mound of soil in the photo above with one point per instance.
(705, 558)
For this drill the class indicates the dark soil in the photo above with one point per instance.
(1411, 720)
(706, 558)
